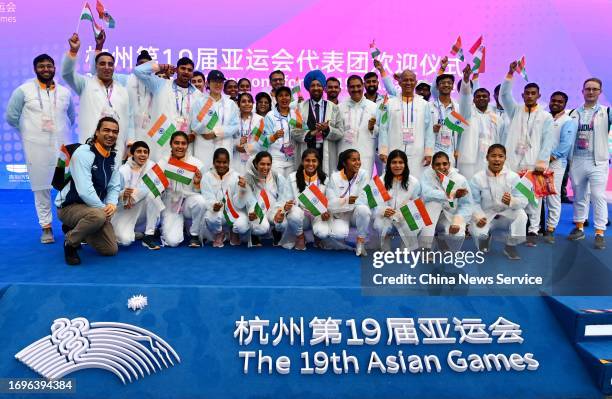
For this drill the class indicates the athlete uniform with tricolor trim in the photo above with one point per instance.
(181, 201)
(344, 214)
(144, 203)
(445, 210)
(487, 191)
(214, 190)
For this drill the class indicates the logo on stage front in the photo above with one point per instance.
(123, 349)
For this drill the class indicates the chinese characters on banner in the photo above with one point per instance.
(258, 63)
(328, 332)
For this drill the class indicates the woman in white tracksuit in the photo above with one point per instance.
(402, 187)
(266, 198)
(281, 133)
(220, 185)
(209, 135)
(182, 201)
(346, 204)
(448, 201)
(498, 204)
(299, 219)
(251, 134)
(43, 112)
(136, 199)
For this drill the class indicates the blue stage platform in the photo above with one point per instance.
(196, 296)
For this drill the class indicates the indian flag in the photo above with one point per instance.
(87, 15)
(374, 51)
(376, 192)
(383, 107)
(262, 206)
(180, 171)
(295, 90)
(205, 109)
(476, 45)
(479, 61)
(156, 180)
(212, 122)
(384, 102)
(258, 130)
(415, 214)
(457, 50)
(296, 119)
(525, 187)
(64, 157)
(455, 123)
(106, 17)
(229, 212)
(447, 184)
(162, 130)
(520, 68)
(313, 200)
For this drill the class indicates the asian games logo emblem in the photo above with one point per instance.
(123, 349)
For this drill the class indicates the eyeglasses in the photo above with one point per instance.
(593, 89)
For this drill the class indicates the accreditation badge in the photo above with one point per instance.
(48, 124)
(408, 135)
(521, 148)
(445, 137)
(288, 150)
(349, 136)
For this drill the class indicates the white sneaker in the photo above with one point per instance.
(360, 249)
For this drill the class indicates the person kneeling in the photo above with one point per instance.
(137, 199)
(219, 187)
(402, 188)
(448, 203)
(182, 198)
(309, 209)
(266, 199)
(347, 202)
(498, 203)
(87, 203)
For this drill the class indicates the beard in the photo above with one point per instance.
(371, 90)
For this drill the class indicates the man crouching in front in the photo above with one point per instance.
(89, 200)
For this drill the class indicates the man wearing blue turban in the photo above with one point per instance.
(324, 127)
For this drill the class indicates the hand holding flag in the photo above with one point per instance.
(520, 68)
(104, 15)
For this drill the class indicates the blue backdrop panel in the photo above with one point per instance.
(199, 324)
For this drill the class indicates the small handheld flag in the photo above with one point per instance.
(457, 50)
(104, 15)
(374, 51)
(376, 193)
(162, 130)
(155, 180)
(520, 68)
(455, 123)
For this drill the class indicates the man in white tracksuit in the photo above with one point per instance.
(173, 98)
(360, 131)
(529, 140)
(141, 98)
(564, 133)
(484, 129)
(43, 113)
(590, 158)
(405, 124)
(99, 97)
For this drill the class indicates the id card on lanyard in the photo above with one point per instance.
(408, 123)
(287, 148)
(524, 142)
(48, 119)
(352, 132)
(109, 110)
(183, 113)
(445, 133)
(244, 156)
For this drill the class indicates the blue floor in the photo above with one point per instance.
(25, 260)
